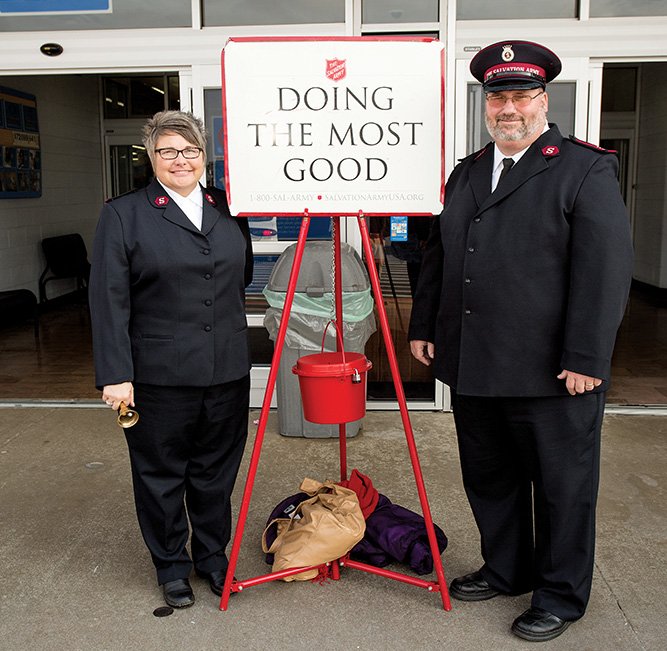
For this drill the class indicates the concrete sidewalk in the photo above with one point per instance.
(75, 575)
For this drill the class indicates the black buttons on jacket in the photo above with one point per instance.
(468, 312)
(208, 302)
(477, 219)
(207, 328)
(206, 251)
(468, 281)
(471, 249)
(207, 276)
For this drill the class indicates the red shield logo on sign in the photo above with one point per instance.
(336, 69)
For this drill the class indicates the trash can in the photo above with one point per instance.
(310, 313)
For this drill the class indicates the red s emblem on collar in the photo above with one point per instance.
(161, 201)
(210, 199)
(551, 150)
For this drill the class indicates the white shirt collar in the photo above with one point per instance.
(192, 204)
(498, 157)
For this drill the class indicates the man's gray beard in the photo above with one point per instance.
(527, 129)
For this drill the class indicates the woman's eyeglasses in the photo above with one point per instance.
(520, 101)
(169, 153)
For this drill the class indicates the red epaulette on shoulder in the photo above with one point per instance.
(590, 145)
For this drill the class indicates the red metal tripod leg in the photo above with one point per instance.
(264, 415)
(338, 282)
(407, 426)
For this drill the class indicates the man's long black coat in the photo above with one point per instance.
(519, 284)
(168, 300)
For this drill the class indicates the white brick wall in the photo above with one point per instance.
(72, 179)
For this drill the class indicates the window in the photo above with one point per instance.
(116, 98)
(126, 14)
(492, 9)
(619, 88)
(404, 11)
(138, 97)
(173, 89)
(606, 8)
(147, 96)
(269, 12)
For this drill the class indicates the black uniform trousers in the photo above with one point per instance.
(531, 471)
(187, 445)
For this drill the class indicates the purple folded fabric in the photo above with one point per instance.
(396, 534)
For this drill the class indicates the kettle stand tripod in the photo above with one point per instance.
(233, 585)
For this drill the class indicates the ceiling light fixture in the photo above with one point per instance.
(51, 49)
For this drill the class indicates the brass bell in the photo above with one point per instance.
(127, 417)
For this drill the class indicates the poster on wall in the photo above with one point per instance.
(50, 7)
(333, 125)
(20, 155)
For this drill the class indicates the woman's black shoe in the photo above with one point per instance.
(178, 593)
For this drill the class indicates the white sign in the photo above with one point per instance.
(333, 126)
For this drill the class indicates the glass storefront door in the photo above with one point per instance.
(398, 264)
(127, 163)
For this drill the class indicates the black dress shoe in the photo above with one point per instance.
(216, 580)
(472, 587)
(178, 593)
(538, 625)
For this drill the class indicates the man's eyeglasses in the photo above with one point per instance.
(520, 100)
(169, 153)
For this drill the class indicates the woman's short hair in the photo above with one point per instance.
(179, 122)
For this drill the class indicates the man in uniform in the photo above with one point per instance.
(523, 286)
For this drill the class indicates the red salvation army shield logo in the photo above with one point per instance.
(336, 69)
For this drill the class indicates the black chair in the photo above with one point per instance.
(66, 257)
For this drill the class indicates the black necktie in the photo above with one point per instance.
(507, 166)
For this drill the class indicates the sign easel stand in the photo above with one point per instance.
(333, 569)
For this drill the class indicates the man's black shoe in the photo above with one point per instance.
(538, 625)
(178, 593)
(216, 580)
(472, 587)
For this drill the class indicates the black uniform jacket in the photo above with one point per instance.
(167, 300)
(533, 278)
